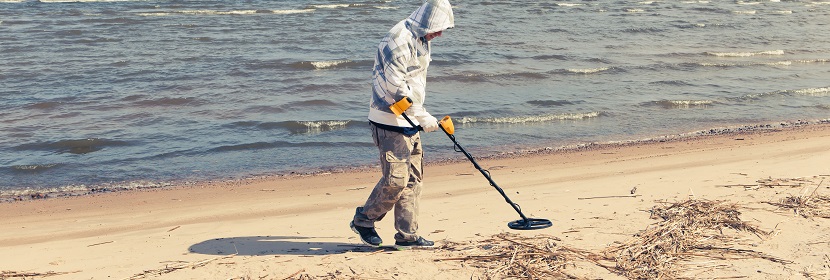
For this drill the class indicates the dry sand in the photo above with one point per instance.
(297, 228)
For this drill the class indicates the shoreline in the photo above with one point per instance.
(27, 194)
(597, 198)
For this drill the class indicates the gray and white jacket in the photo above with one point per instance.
(401, 64)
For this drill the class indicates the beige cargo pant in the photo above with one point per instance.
(400, 187)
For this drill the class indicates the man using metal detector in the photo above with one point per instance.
(399, 72)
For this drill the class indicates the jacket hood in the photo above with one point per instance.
(432, 16)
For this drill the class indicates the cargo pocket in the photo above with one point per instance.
(398, 171)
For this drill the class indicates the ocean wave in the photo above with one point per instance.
(478, 77)
(588, 70)
(339, 6)
(745, 54)
(671, 83)
(819, 92)
(169, 101)
(230, 12)
(309, 103)
(32, 168)
(552, 103)
(681, 104)
(815, 92)
(286, 144)
(298, 127)
(528, 119)
(773, 63)
(326, 64)
(73, 146)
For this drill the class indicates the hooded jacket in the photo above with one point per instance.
(401, 64)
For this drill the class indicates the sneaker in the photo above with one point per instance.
(368, 235)
(419, 243)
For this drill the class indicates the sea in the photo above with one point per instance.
(121, 94)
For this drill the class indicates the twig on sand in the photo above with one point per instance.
(295, 274)
(609, 196)
(102, 243)
(17, 274)
(168, 269)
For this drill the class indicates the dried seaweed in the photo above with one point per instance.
(509, 255)
(807, 206)
(688, 230)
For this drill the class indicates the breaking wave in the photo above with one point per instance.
(745, 54)
(681, 104)
(327, 64)
(588, 70)
(74, 146)
(815, 92)
(529, 119)
(231, 12)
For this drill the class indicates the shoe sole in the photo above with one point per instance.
(351, 225)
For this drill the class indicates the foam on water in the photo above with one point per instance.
(745, 54)
(588, 70)
(529, 119)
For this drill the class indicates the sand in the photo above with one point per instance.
(297, 228)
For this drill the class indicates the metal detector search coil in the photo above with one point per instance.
(446, 125)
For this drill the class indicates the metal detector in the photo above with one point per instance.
(446, 125)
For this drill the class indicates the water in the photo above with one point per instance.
(137, 93)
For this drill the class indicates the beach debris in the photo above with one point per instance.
(772, 183)
(509, 255)
(807, 206)
(22, 274)
(633, 190)
(690, 230)
(102, 243)
(172, 268)
(301, 276)
(608, 196)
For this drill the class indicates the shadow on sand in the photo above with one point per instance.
(277, 245)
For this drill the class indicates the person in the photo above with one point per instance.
(400, 70)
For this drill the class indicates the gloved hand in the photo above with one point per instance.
(429, 123)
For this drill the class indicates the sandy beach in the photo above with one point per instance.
(599, 198)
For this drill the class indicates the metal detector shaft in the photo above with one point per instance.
(484, 172)
(446, 125)
(473, 160)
